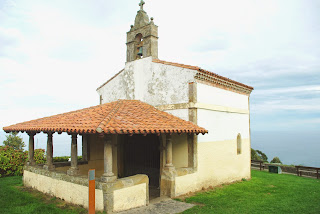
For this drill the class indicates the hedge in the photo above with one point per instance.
(12, 161)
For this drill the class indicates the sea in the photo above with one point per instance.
(292, 147)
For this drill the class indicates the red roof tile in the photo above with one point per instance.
(119, 117)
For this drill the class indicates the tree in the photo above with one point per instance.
(276, 160)
(254, 155)
(14, 141)
(262, 155)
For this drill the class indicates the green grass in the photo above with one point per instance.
(16, 199)
(264, 193)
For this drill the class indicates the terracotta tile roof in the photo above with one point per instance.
(119, 117)
(212, 78)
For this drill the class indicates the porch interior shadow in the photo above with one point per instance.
(141, 155)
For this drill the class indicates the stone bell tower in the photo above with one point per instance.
(142, 39)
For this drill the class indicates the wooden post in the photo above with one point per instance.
(260, 165)
(92, 192)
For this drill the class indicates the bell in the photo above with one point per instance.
(140, 51)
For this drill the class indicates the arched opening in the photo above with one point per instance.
(239, 144)
(139, 46)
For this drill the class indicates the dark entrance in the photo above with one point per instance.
(142, 156)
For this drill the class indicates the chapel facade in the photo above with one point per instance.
(218, 104)
(161, 129)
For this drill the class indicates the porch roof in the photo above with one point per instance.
(119, 117)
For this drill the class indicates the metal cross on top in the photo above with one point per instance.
(141, 4)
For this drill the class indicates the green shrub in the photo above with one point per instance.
(11, 161)
(61, 159)
(64, 159)
(39, 156)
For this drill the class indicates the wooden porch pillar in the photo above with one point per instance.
(108, 175)
(31, 160)
(74, 170)
(49, 164)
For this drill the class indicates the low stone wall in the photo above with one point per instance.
(131, 192)
(122, 194)
(71, 189)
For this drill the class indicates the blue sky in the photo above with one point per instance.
(54, 54)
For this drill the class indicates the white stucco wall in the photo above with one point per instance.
(218, 163)
(179, 150)
(181, 113)
(153, 83)
(120, 87)
(222, 125)
(70, 192)
(221, 97)
(130, 197)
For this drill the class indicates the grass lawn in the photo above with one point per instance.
(264, 193)
(14, 198)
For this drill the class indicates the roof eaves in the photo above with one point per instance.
(224, 78)
(200, 70)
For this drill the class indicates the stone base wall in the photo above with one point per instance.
(70, 192)
(128, 193)
(122, 194)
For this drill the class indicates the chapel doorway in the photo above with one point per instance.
(142, 156)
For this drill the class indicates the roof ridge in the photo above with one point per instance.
(109, 117)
